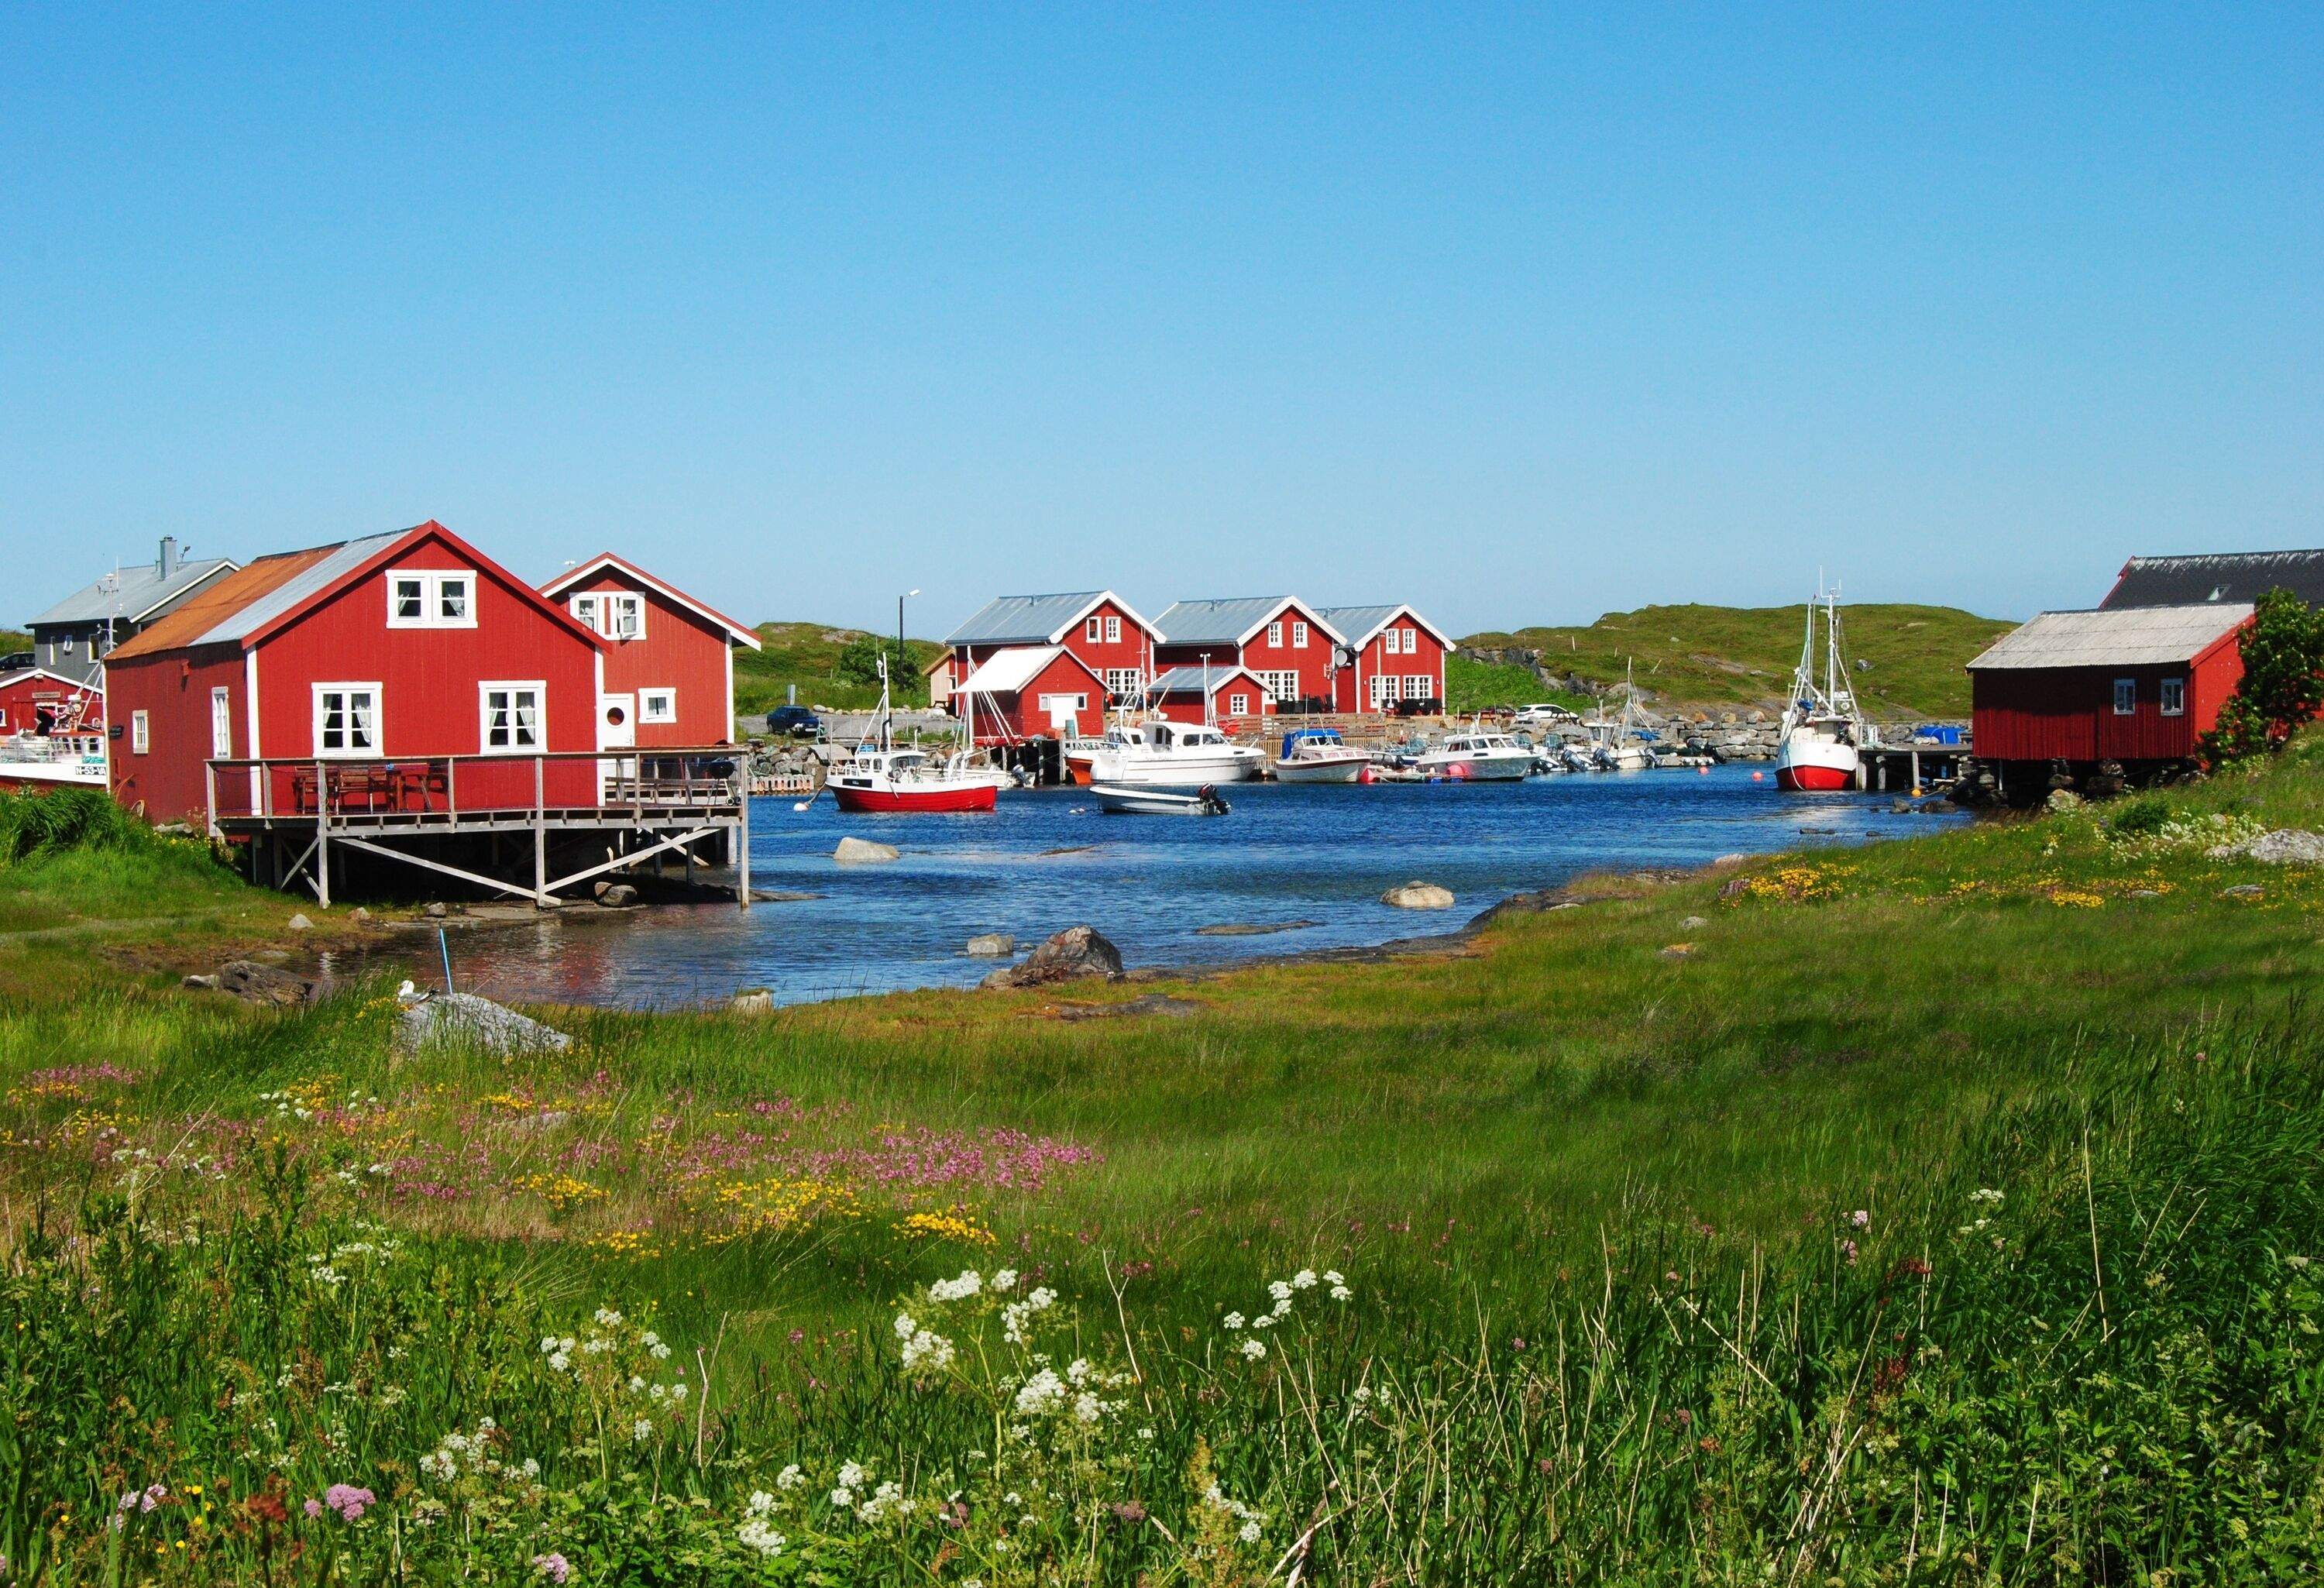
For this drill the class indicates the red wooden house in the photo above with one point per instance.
(1097, 626)
(1031, 691)
(409, 644)
(2133, 686)
(1286, 644)
(669, 658)
(1216, 693)
(1397, 655)
(33, 700)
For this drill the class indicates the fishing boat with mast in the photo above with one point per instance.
(1625, 749)
(1818, 747)
(886, 779)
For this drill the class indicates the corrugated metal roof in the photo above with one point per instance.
(1005, 672)
(1034, 620)
(2128, 637)
(2226, 576)
(216, 601)
(338, 562)
(136, 590)
(1220, 623)
(1188, 680)
(1357, 623)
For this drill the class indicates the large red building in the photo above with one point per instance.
(1390, 654)
(35, 701)
(2136, 687)
(1285, 643)
(1029, 692)
(669, 658)
(409, 644)
(1098, 627)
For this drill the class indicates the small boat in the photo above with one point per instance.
(887, 780)
(1627, 748)
(1478, 757)
(53, 760)
(1817, 746)
(1116, 799)
(1318, 755)
(1165, 754)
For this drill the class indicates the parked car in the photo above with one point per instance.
(794, 719)
(1543, 715)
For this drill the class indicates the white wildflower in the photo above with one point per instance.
(1234, 1320)
(1043, 1392)
(791, 1477)
(1004, 1279)
(960, 1290)
(1249, 1533)
(641, 1430)
(1340, 1293)
(1254, 1349)
(755, 1534)
(1304, 1279)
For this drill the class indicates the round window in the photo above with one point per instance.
(616, 715)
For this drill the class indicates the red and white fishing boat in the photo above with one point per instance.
(1817, 748)
(886, 779)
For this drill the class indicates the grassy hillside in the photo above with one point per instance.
(1767, 1225)
(807, 655)
(10, 639)
(1725, 657)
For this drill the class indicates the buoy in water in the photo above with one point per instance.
(1703, 772)
(1758, 777)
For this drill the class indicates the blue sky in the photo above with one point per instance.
(1521, 315)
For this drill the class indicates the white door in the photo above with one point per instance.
(617, 729)
(1064, 712)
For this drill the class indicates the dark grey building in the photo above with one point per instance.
(71, 638)
(2217, 577)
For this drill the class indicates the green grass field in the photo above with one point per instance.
(807, 655)
(1940, 1212)
(1723, 657)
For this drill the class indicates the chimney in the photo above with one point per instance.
(167, 564)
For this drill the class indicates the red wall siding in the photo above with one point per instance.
(1188, 708)
(21, 702)
(173, 690)
(681, 650)
(1135, 649)
(1065, 675)
(2066, 714)
(430, 703)
(1312, 661)
(1354, 690)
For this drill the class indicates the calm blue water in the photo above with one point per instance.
(1049, 859)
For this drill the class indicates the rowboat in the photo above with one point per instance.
(1121, 799)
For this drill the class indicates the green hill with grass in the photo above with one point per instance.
(807, 655)
(1909, 659)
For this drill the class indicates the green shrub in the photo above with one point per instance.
(2139, 816)
(63, 819)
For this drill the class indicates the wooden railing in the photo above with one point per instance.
(443, 790)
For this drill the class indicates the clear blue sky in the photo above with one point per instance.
(1519, 316)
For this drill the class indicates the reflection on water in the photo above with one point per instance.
(1049, 859)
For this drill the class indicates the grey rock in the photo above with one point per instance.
(201, 980)
(2061, 800)
(1075, 954)
(1253, 929)
(617, 895)
(2242, 890)
(2284, 847)
(1727, 862)
(1154, 1003)
(990, 946)
(753, 1000)
(358, 914)
(1693, 921)
(780, 896)
(856, 851)
(465, 1018)
(2143, 893)
(272, 956)
(1418, 896)
(254, 982)
(436, 912)
(300, 923)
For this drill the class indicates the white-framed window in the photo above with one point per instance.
(510, 717)
(1298, 636)
(346, 720)
(1383, 688)
(1238, 703)
(657, 706)
(2125, 697)
(587, 612)
(66, 645)
(141, 733)
(1093, 631)
(2175, 698)
(1419, 685)
(625, 615)
(1123, 680)
(1112, 630)
(1274, 633)
(221, 722)
(1281, 685)
(1392, 642)
(1412, 642)
(431, 598)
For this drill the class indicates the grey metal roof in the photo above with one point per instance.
(1356, 621)
(137, 590)
(1019, 620)
(1189, 679)
(343, 560)
(2227, 575)
(1222, 622)
(2126, 637)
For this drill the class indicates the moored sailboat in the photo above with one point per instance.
(1817, 747)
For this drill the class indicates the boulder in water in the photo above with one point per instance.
(990, 946)
(1418, 896)
(1075, 954)
(853, 850)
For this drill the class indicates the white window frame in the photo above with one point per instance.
(431, 582)
(141, 733)
(1298, 636)
(2125, 697)
(594, 600)
(2174, 697)
(65, 645)
(1238, 703)
(1419, 685)
(657, 706)
(1281, 685)
(619, 602)
(1094, 629)
(1412, 642)
(314, 722)
(1383, 688)
(221, 722)
(1392, 642)
(1123, 680)
(1112, 629)
(1275, 633)
(540, 688)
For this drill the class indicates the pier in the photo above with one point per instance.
(1909, 768)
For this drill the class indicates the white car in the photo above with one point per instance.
(1542, 715)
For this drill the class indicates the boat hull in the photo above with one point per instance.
(1481, 769)
(1337, 769)
(1808, 762)
(1171, 771)
(1141, 802)
(903, 802)
(1811, 778)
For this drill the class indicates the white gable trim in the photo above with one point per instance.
(1314, 620)
(557, 588)
(1057, 635)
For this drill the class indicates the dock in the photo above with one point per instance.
(532, 826)
(1910, 768)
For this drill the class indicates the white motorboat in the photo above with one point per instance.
(1318, 755)
(1478, 757)
(1118, 799)
(1817, 748)
(53, 760)
(1164, 754)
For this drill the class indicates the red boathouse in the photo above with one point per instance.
(35, 701)
(669, 658)
(1031, 691)
(1390, 654)
(1208, 695)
